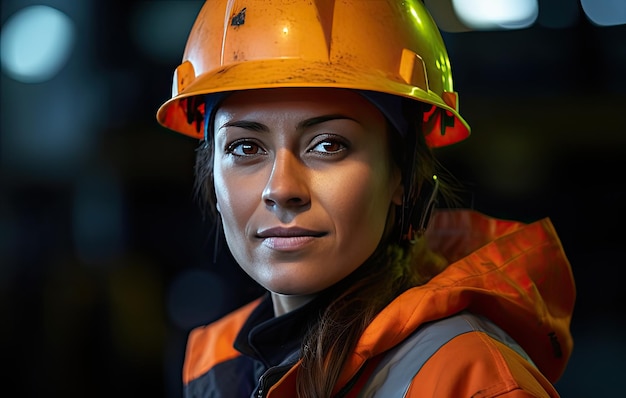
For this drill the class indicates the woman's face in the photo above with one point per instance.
(304, 182)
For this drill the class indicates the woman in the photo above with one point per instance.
(316, 121)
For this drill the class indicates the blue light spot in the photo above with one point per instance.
(605, 12)
(36, 43)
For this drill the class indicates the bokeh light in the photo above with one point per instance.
(36, 43)
(605, 12)
(494, 14)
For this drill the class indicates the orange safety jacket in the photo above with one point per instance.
(494, 323)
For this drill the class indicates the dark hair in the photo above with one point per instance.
(396, 265)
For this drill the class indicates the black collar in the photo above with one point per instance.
(272, 339)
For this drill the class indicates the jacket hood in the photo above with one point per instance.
(515, 274)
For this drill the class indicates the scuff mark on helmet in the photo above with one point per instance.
(239, 19)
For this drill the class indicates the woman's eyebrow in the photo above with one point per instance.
(321, 119)
(247, 124)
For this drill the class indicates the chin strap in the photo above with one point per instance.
(428, 208)
(426, 202)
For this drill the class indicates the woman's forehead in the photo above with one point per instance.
(314, 98)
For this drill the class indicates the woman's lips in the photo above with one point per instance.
(288, 238)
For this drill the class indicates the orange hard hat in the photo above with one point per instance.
(387, 46)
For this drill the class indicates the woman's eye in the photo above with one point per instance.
(329, 146)
(244, 148)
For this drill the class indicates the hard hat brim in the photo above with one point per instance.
(289, 72)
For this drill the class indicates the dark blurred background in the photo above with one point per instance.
(106, 263)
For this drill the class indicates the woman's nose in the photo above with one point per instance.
(287, 186)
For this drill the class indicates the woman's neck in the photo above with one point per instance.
(284, 303)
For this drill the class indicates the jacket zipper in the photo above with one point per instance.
(269, 378)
